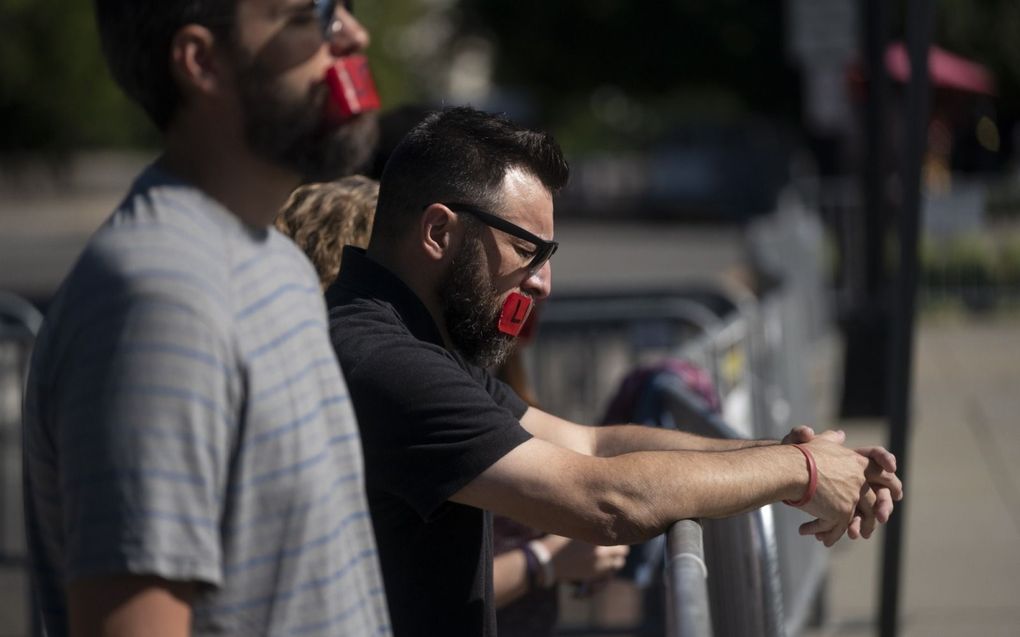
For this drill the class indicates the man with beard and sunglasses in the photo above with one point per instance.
(192, 462)
(459, 251)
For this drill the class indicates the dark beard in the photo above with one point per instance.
(292, 134)
(471, 308)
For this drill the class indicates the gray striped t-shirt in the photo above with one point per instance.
(186, 418)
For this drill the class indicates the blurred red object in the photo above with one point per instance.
(947, 70)
(351, 89)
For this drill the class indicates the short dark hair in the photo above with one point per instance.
(461, 154)
(136, 37)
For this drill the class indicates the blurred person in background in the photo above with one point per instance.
(321, 218)
(528, 565)
(459, 251)
(192, 462)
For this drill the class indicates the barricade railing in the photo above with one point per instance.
(587, 343)
(746, 593)
(19, 324)
(797, 367)
(687, 608)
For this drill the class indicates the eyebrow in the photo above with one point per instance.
(296, 7)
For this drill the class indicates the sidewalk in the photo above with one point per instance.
(961, 558)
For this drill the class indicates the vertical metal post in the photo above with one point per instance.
(866, 314)
(920, 25)
(876, 166)
(19, 325)
(687, 609)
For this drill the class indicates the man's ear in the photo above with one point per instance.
(194, 64)
(435, 231)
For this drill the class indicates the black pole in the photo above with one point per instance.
(866, 316)
(876, 167)
(920, 25)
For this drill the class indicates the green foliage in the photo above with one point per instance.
(603, 73)
(1004, 199)
(972, 260)
(669, 60)
(397, 73)
(1009, 262)
(978, 271)
(56, 93)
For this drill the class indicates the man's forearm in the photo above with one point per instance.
(619, 439)
(631, 497)
(684, 484)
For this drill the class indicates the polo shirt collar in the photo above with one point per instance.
(369, 279)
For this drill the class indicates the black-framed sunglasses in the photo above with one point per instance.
(326, 10)
(544, 250)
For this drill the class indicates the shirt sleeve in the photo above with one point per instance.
(503, 394)
(143, 422)
(429, 426)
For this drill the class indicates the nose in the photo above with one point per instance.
(348, 36)
(539, 284)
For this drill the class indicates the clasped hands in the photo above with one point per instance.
(856, 487)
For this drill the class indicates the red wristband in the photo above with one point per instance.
(812, 483)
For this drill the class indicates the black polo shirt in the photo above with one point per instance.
(430, 423)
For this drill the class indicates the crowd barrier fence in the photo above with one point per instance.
(764, 579)
(19, 324)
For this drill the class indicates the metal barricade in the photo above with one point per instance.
(687, 607)
(586, 344)
(797, 362)
(19, 323)
(746, 588)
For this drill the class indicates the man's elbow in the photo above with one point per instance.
(623, 520)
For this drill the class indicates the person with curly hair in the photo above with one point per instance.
(322, 218)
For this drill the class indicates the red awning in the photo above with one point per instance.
(948, 71)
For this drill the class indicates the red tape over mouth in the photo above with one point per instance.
(351, 89)
(515, 313)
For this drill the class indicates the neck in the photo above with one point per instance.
(421, 278)
(222, 166)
